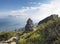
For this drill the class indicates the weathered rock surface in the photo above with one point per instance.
(52, 17)
(29, 26)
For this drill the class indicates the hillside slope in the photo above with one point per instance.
(46, 33)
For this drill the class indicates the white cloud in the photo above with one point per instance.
(38, 12)
(34, 3)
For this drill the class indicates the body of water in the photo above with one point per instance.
(11, 23)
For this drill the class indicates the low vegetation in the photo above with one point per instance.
(45, 33)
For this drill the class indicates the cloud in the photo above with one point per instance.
(34, 3)
(38, 12)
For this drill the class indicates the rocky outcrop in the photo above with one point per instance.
(52, 17)
(29, 26)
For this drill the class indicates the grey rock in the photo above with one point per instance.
(29, 26)
(52, 17)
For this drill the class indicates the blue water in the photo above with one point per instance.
(11, 23)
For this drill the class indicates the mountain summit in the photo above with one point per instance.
(51, 17)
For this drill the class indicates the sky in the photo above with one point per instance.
(24, 9)
(17, 4)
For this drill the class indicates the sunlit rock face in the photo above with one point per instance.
(29, 26)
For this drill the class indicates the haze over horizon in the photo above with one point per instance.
(18, 11)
